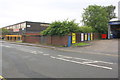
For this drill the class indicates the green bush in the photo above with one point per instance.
(61, 28)
(4, 31)
(86, 29)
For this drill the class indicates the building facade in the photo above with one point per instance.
(114, 26)
(25, 28)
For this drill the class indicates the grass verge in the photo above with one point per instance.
(80, 44)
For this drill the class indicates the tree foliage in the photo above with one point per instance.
(4, 31)
(98, 17)
(110, 10)
(86, 29)
(61, 28)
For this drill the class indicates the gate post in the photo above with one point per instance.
(69, 41)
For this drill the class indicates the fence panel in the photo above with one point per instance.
(97, 36)
(73, 37)
(91, 35)
(82, 36)
(88, 36)
(78, 37)
(69, 41)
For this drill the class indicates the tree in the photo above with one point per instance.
(110, 10)
(4, 31)
(97, 17)
(61, 28)
(86, 29)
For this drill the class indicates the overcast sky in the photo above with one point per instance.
(15, 11)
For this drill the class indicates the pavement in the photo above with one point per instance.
(100, 47)
(23, 61)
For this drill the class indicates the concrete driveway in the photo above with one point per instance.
(107, 47)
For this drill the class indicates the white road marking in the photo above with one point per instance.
(6, 46)
(34, 52)
(83, 59)
(99, 66)
(40, 52)
(106, 62)
(88, 60)
(94, 60)
(19, 45)
(52, 57)
(65, 56)
(46, 54)
(25, 50)
(104, 67)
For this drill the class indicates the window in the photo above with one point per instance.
(11, 27)
(23, 25)
(28, 25)
(8, 27)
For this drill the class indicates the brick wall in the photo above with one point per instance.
(60, 40)
(31, 39)
(52, 40)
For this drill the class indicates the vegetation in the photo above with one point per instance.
(110, 10)
(80, 44)
(61, 28)
(86, 29)
(98, 17)
(4, 31)
(95, 16)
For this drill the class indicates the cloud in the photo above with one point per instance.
(14, 11)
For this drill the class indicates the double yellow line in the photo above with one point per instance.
(2, 78)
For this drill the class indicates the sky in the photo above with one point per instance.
(15, 11)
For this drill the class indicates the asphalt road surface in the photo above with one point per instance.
(21, 61)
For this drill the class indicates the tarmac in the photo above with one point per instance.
(100, 47)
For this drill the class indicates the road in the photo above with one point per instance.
(21, 61)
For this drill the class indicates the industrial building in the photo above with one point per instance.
(24, 28)
(114, 26)
(114, 29)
